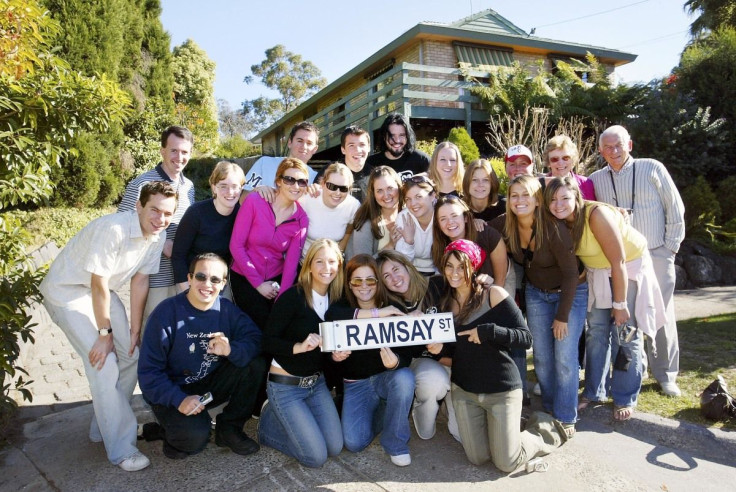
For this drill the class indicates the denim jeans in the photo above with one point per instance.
(363, 405)
(556, 361)
(601, 347)
(301, 422)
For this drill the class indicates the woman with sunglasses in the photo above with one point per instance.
(299, 418)
(267, 242)
(415, 223)
(333, 210)
(207, 225)
(480, 191)
(447, 169)
(374, 226)
(562, 158)
(556, 295)
(486, 386)
(379, 386)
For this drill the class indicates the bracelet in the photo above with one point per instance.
(619, 305)
(396, 366)
(374, 313)
(355, 314)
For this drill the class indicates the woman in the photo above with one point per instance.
(267, 242)
(556, 296)
(621, 283)
(415, 223)
(206, 226)
(561, 157)
(486, 386)
(374, 226)
(480, 191)
(447, 169)
(300, 418)
(379, 386)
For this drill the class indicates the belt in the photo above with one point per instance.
(556, 290)
(305, 382)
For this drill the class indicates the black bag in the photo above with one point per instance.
(715, 401)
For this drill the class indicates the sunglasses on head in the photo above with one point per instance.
(292, 181)
(201, 277)
(334, 187)
(357, 281)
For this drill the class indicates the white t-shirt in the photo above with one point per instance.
(326, 222)
(263, 173)
(420, 253)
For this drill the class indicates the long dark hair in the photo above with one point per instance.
(396, 119)
(361, 260)
(370, 210)
(418, 283)
(580, 205)
(476, 289)
(439, 240)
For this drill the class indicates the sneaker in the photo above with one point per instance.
(172, 453)
(670, 389)
(401, 459)
(537, 465)
(537, 390)
(136, 461)
(236, 440)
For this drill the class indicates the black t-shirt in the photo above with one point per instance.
(493, 211)
(409, 164)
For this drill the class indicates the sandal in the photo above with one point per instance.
(622, 414)
(569, 430)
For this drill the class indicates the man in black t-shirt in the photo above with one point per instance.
(355, 144)
(395, 148)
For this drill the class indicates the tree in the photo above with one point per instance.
(468, 149)
(713, 14)
(232, 122)
(285, 72)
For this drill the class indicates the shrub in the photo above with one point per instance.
(499, 167)
(199, 170)
(727, 197)
(234, 147)
(702, 210)
(468, 149)
(427, 146)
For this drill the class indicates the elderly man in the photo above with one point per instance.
(646, 190)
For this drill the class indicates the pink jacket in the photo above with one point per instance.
(262, 250)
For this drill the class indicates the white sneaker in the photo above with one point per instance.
(670, 389)
(401, 459)
(537, 390)
(136, 461)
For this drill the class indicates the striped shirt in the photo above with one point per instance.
(658, 209)
(185, 187)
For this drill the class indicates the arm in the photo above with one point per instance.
(186, 233)
(285, 311)
(510, 330)
(241, 231)
(101, 308)
(500, 263)
(606, 232)
(155, 383)
(561, 246)
(294, 250)
(362, 240)
(138, 297)
(674, 209)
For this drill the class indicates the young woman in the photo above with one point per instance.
(415, 223)
(562, 158)
(621, 284)
(486, 386)
(333, 210)
(300, 418)
(556, 296)
(206, 226)
(446, 169)
(374, 226)
(267, 242)
(379, 386)
(480, 191)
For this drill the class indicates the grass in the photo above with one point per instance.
(58, 224)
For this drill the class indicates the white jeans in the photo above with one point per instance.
(112, 386)
(432, 386)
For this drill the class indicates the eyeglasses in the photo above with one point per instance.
(564, 158)
(334, 187)
(224, 187)
(201, 277)
(357, 281)
(417, 179)
(289, 181)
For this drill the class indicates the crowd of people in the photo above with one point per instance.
(227, 295)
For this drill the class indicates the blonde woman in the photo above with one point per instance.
(447, 170)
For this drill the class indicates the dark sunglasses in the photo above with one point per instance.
(292, 181)
(334, 187)
(357, 281)
(201, 277)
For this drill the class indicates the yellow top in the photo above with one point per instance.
(589, 250)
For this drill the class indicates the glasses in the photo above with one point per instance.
(289, 181)
(201, 277)
(564, 158)
(357, 281)
(223, 187)
(334, 187)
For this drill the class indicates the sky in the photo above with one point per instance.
(338, 35)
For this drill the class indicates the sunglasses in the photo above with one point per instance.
(334, 187)
(201, 277)
(357, 281)
(292, 181)
(564, 158)
(417, 179)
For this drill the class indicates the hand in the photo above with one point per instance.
(435, 348)
(471, 334)
(135, 341)
(168, 248)
(98, 353)
(407, 229)
(621, 316)
(266, 192)
(389, 358)
(340, 355)
(268, 290)
(479, 224)
(387, 311)
(559, 330)
(484, 279)
(312, 341)
(191, 405)
(394, 235)
(314, 190)
(218, 344)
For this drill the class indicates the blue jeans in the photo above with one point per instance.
(301, 422)
(556, 361)
(601, 347)
(361, 415)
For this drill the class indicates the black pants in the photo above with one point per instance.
(236, 385)
(251, 301)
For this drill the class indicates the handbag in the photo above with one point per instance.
(716, 403)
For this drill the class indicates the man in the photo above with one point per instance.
(176, 149)
(518, 161)
(395, 148)
(302, 144)
(645, 188)
(355, 145)
(80, 295)
(197, 343)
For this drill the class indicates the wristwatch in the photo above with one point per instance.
(105, 331)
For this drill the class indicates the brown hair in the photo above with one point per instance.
(370, 210)
(157, 188)
(511, 229)
(418, 283)
(486, 166)
(476, 289)
(439, 240)
(580, 205)
(222, 169)
(357, 261)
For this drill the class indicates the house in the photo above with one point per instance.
(418, 74)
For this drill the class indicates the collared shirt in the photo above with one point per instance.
(112, 246)
(659, 213)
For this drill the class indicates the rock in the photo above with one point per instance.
(701, 270)
(728, 270)
(680, 277)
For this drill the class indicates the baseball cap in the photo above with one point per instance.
(517, 151)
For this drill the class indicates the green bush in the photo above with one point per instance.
(702, 210)
(727, 197)
(427, 146)
(234, 147)
(199, 170)
(57, 224)
(468, 149)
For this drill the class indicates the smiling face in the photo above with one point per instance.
(386, 192)
(292, 191)
(455, 272)
(447, 164)
(615, 149)
(519, 166)
(175, 156)
(419, 201)
(395, 277)
(356, 150)
(561, 162)
(303, 145)
(480, 184)
(396, 141)
(363, 292)
(520, 202)
(451, 220)
(227, 191)
(324, 269)
(334, 198)
(562, 204)
(156, 215)
(203, 292)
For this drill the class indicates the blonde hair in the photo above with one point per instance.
(532, 185)
(459, 173)
(339, 168)
(305, 276)
(223, 169)
(561, 142)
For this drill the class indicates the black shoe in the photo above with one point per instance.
(236, 440)
(151, 431)
(172, 453)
